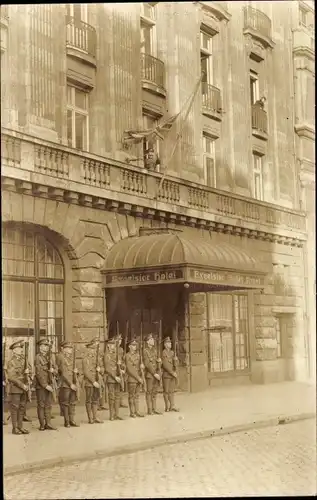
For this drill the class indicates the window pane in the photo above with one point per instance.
(146, 39)
(210, 171)
(80, 130)
(70, 128)
(205, 40)
(80, 99)
(69, 94)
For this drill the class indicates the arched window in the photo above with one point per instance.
(32, 288)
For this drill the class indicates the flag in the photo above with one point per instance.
(160, 131)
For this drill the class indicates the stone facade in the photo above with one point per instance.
(85, 202)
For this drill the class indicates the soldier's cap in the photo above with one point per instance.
(92, 343)
(149, 336)
(43, 342)
(66, 344)
(133, 342)
(62, 344)
(167, 339)
(19, 343)
(111, 341)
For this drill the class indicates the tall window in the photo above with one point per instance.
(77, 118)
(206, 57)
(150, 122)
(227, 333)
(148, 29)
(209, 160)
(78, 11)
(32, 288)
(258, 176)
(254, 87)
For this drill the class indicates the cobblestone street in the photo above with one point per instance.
(271, 461)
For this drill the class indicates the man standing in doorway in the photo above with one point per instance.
(134, 376)
(169, 361)
(44, 391)
(112, 379)
(16, 375)
(152, 376)
(68, 389)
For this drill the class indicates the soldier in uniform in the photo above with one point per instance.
(92, 387)
(57, 361)
(169, 375)
(112, 379)
(134, 378)
(68, 389)
(152, 377)
(18, 389)
(122, 366)
(44, 391)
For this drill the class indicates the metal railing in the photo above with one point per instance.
(259, 118)
(258, 21)
(211, 97)
(152, 70)
(81, 36)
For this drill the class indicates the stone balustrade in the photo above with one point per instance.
(25, 158)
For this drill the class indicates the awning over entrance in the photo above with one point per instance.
(176, 258)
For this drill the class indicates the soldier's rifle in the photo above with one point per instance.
(75, 374)
(27, 376)
(125, 340)
(4, 365)
(51, 376)
(119, 371)
(141, 356)
(98, 374)
(158, 352)
(175, 348)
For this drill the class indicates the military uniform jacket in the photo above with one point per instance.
(15, 374)
(65, 368)
(110, 365)
(150, 362)
(42, 375)
(89, 368)
(132, 362)
(167, 363)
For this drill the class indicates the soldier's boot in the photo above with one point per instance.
(65, 410)
(166, 401)
(155, 411)
(96, 420)
(111, 410)
(131, 407)
(89, 413)
(48, 416)
(172, 403)
(72, 409)
(14, 420)
(137, 412)
(149, 404)
(40, 416)
(116, 409)
(20, 422)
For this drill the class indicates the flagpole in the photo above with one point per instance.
(190, 103)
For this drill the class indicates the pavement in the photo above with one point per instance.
(278, 461)
(218, 411)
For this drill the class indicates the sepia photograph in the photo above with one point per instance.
(158, 250)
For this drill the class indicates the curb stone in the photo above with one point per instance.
(124, 450)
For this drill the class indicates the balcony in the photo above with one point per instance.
(304, 42)
(258, 25)
(153, 74)
(211, 101)
(58, 172)
(81, 40)
(259, 122)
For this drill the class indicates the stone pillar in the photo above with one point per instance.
(197, 354)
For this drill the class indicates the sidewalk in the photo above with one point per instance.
(217, 411)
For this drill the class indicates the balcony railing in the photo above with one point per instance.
(257, 21)
(211, 98)
(27, 159)
(152, 70)
(259, 119)
(81, 36)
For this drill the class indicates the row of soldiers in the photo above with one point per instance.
(137, 368)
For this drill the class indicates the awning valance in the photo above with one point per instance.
(177, 258)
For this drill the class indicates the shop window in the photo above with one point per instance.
(77, 118)
(227, 333)
(32, 288)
